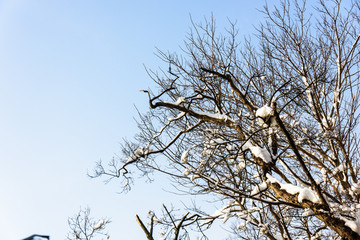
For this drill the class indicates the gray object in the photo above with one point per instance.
(32, 237)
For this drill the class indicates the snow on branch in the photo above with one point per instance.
(302, 193)
(271, 127)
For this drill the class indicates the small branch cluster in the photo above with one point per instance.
(84, 227)
(172, 228)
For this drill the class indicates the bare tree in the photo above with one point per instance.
(84, 227)
(172, 227)
(270, 125)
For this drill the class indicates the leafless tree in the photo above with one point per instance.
(271, 125)
(84, 227)
(172, 228)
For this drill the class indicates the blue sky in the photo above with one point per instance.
(70, 75)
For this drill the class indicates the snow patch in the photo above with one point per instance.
(355, 224)
(184, 157)
(264, 112)
(178, 117)
(308, 212)
(356, 188)
(99, 225)
(186, 172)
(137, 154)
(258, 188)
(259, 152)
(308, 194)
(216, 116)
(304, 193)
(179, 100)
(240, 166)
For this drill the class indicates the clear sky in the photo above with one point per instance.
(70, 75)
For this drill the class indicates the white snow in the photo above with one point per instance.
(340, 168)
(220, 141)
(138, 153)
(99, 225)
(230, 147)
(193, 177)
(259, 152)
(356, 188)
(242, 226)
(262, 153)
(354, 225)
(201, 166)
(271, 179)
(309, 96)
(224, 213)
(258, 188)
(178, 117)
(207, 152)
(264, 228)
(304, 193)
(179, 100)
(307, 212)
(240, 166)
(186, 172)
(264, 112)
(184, 157)
(308, 194)
(349, 213)
(216, 116)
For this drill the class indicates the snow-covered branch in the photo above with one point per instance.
(268, 131)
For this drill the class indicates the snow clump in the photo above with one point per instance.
(264, 112)
(184, 157)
